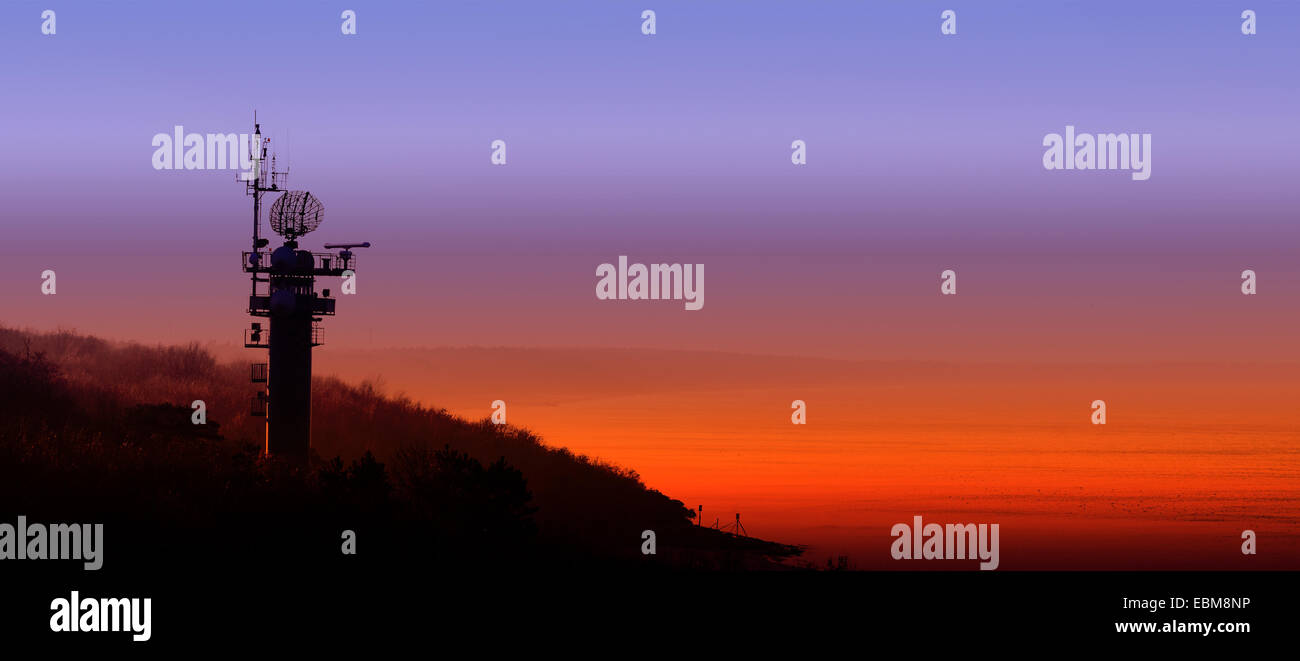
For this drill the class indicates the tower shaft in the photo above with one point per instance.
(289, 414)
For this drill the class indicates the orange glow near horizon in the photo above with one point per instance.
(992, 427)
(1189, 458)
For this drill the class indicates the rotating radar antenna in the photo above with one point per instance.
(296, 213)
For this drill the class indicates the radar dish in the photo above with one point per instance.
(296, 213)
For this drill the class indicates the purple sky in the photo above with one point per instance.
(922, 148)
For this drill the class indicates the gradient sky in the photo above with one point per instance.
(924, 154)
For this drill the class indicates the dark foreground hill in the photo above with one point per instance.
(94, 431)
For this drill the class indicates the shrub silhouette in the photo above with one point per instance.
(481, 507)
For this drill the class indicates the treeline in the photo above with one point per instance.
(103, 431)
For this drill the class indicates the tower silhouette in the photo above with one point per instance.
(284, 291)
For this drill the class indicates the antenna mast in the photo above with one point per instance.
(256, 185)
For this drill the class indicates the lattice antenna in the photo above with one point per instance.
(296, 213)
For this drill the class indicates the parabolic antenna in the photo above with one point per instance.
(296, 213)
